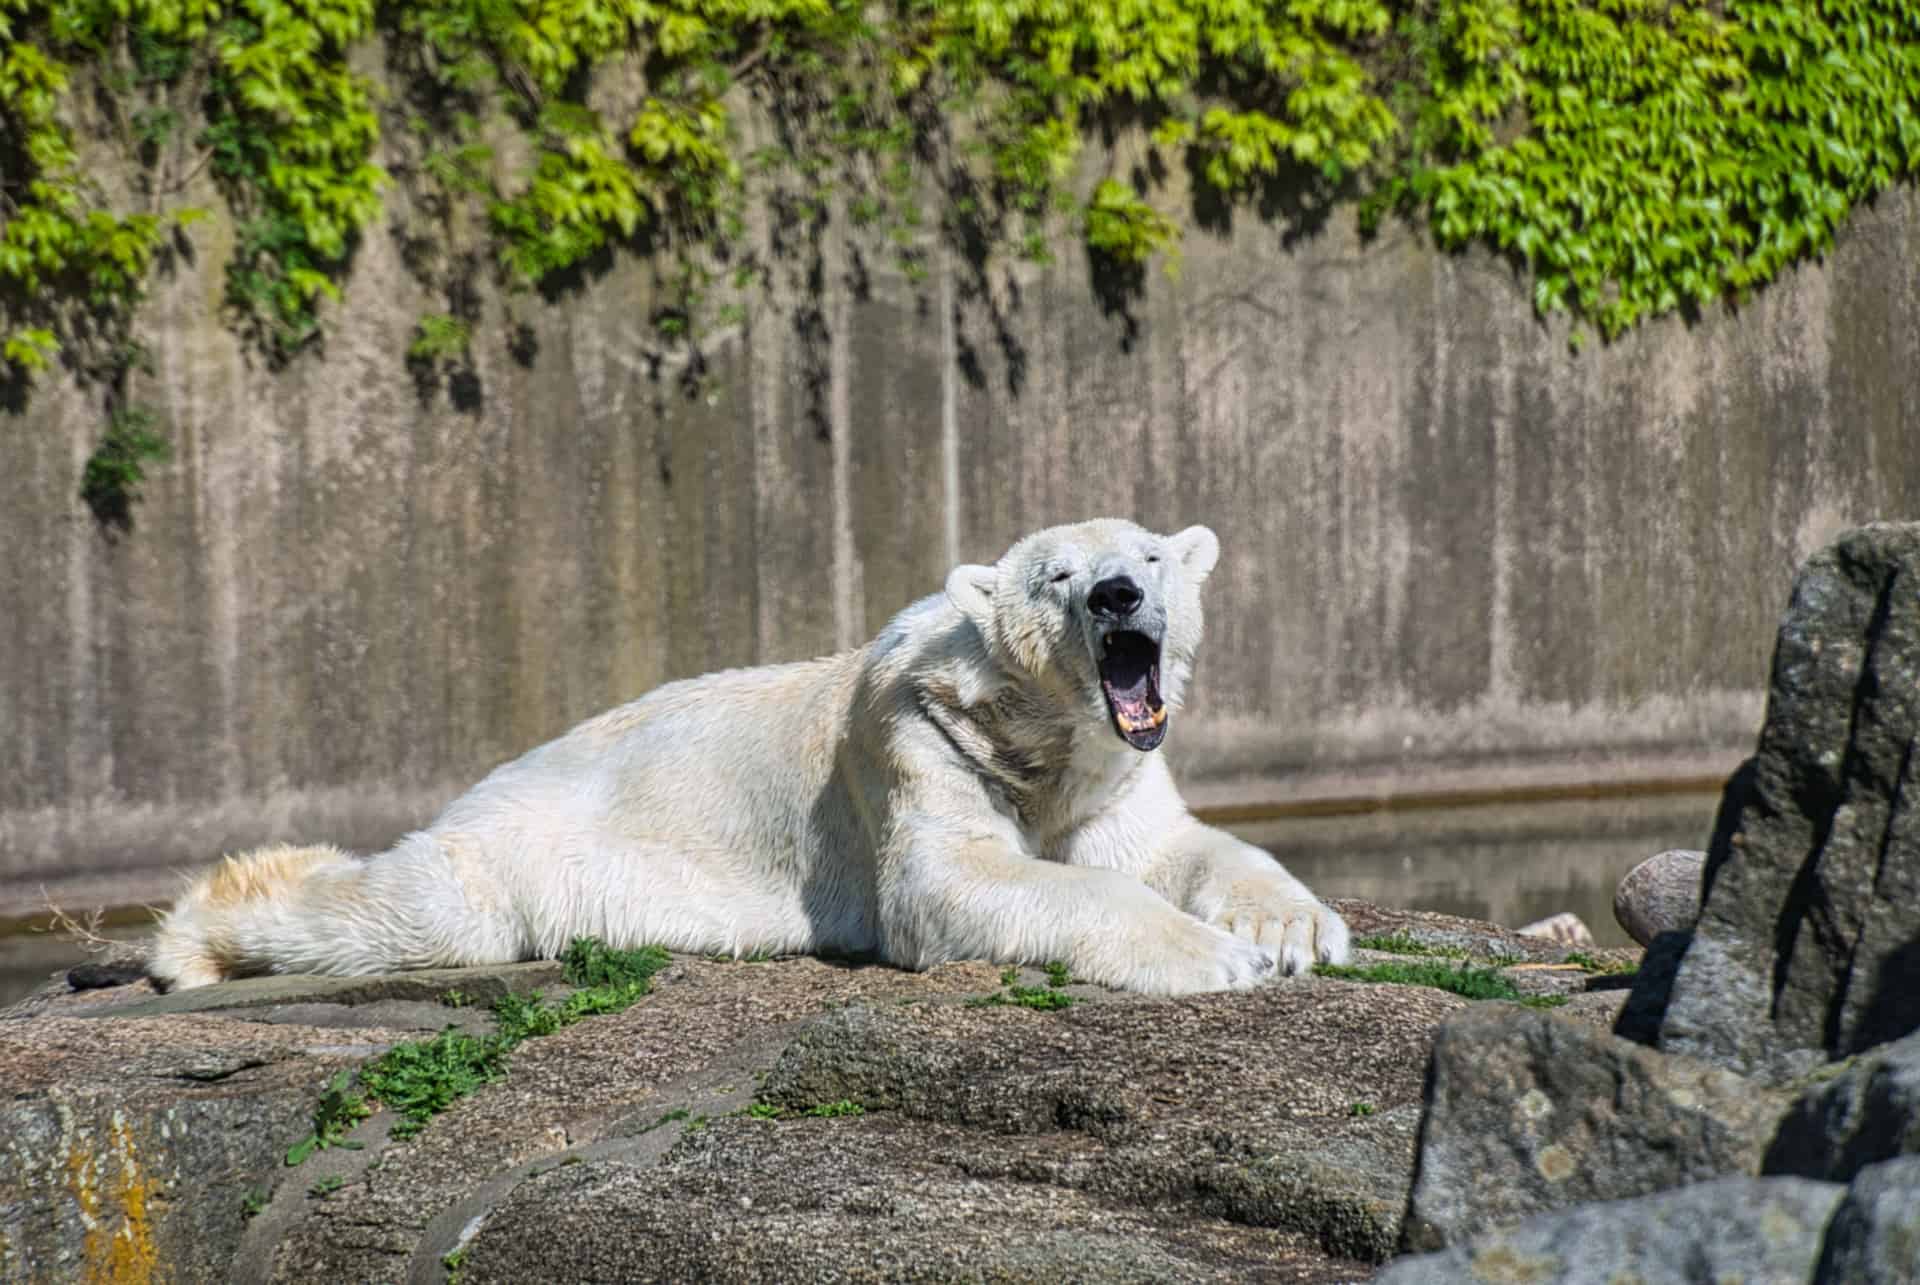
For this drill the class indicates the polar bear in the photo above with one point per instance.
(978, 782)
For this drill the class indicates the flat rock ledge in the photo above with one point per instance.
(790, 1119)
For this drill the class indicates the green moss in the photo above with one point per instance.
(1461, 979)
(1401, 944)
(1594, 964)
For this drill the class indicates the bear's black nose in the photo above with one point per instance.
(1115, 597)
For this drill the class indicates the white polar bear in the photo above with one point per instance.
(976, 783)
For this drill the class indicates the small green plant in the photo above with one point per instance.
(836, 1110)
(326, 1186)
(1402, 944)
(439, 337)
(763, 1111)
(588, 961)
(1044, 998)
(670, 1117)
(111, 480)
(1359, 1109)
(1058, 975)
(255, 1202)
(453, 1260)
(341, 1107)
(419, 1079)
(456, 999)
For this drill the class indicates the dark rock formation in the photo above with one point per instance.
(1807, 947)
(1868, 1113)
(1734, 1229)
(1528, 1112)
(1874, 1237)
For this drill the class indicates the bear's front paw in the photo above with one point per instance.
(1297, 926)
(1195, 958)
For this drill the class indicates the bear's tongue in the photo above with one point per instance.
(1130, 679)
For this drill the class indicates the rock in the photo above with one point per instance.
(751, 1200)
(1875, 1233)
(129, 1148)
(1127, 1076)
(1219, 1137)
(1443, 934)
(1566, 928)
(1733, 1229)
(1868, 1113)
(1660, 895)
(1527, 1112)
(1808, 938)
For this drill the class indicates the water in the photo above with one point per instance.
(29, 958)
(1510, 864)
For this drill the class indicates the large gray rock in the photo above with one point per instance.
(1125, 1076)
(1217, 1137)
(1660, 895)
(1808, 941)
(1874, 1237)
(1527, 1112)
(1868, 1113)
(129, 1149)
(1735, 1229)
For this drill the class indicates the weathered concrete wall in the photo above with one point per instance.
(1454, 551)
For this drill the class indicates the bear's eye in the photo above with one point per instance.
(1153, 557)
(1061, 577)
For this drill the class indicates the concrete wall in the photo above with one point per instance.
(1455, 553)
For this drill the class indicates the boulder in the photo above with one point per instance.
(1660, 895)
(130, 1150)
(1874, 1237)
(1808, 939)
(1733, 1229)
(1867, 1113)
(1528, 1112)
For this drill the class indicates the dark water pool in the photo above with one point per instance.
(1511, 864)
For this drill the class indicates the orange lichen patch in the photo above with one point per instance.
(119, 1248)
(264, 873)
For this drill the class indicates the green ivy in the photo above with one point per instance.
(1637, 157)
(1643, 157)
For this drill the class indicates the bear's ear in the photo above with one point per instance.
(970, 588)
(1197, 548)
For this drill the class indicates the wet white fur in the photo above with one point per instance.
(952, 790)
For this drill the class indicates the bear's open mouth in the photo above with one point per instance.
(1130, 680)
